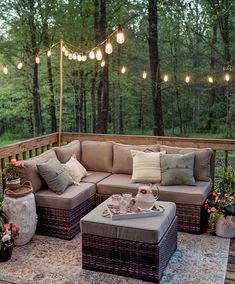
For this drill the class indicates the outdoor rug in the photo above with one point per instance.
(45, 260)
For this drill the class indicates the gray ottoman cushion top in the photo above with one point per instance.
(146, 230)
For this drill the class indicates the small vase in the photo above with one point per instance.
(13, 184)
(5, 253)
(225, 227)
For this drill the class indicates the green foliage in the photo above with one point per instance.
(3, 217)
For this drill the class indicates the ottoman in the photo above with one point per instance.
(138, 248)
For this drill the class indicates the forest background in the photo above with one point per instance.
(177, 38)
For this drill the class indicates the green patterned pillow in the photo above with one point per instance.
(177, 169)
(55, 175)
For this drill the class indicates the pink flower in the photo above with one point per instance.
(209, 210)
(213, 209)
(13, 161)
(7, 226)
(19, 164)
(15, 230)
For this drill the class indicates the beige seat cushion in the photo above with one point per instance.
(97, 156)
(202, 160)
(30, 172)
(72, 197)
(64, 153)
(122, 159)
(146, 230)
(117, 183)
(94, 177)
(186, 194)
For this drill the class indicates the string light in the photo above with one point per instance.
(49, 53)
(99, 54)
(84, 57)
(120, 36)
(64, 48)
(165, 78)
(108, 47)
(74, 56)
(37, 59)
(123, 70)
(102, 64)
(91, 55)
(70, 56)
(79, 57)
(210, 79)
(227, 77)
(20, 65)
(5, 69)
(66, 53)
(187, 79)
(144, 75)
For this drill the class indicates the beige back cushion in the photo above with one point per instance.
(201, 162)
(97, 156)
(30, 172)
(122, 159)
(64, 153)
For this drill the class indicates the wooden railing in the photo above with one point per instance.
(35, 146)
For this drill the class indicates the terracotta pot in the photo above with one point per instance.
(5, 253)
(225, 227)
(13, 184)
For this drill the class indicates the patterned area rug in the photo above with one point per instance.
(198, 259)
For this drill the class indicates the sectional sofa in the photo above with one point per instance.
(109, 167)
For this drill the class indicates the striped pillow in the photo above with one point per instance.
(146, 166)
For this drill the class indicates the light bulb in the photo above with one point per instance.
(165, 78)
(37, 59)
(99, 54)
(108, 47)
(5, 69)
(91, 55)
(49, 52)
(79, 57)
(64, 48)
(123, 70)
(102, 64)
(74, 56)
(187, 79)
(144, 75)
(70, 56)
(66, 53)
(227, 77)
(20, 65)
(120, 36)
(210, 79)
(84, 57)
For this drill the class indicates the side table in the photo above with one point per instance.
(21, 212)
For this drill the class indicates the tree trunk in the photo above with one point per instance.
(158, 127)
(121, 115)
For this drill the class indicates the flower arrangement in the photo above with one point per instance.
(8, 234)
(10, 171)
(222, 200)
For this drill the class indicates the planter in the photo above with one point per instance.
(5, 253)
(225, 227)
(13, 184)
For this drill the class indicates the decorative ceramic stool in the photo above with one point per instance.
(21, 212)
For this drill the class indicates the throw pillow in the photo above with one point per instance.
(177, 169)
(146, 166)
(75, 169)
(55, 175)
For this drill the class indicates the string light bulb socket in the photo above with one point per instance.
(5, 69)
(123, 70)
(92, 55)
(20, 65)
(102, 63)
(187, 79)
(144, 75)
(227, 77)
(37, 59)
(210, 79)
(165, 78)
(120, 35)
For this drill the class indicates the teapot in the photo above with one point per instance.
(145, 197)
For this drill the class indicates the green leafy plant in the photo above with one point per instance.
(3, 217)
(222, 200)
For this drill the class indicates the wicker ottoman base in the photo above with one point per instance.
(129, 258)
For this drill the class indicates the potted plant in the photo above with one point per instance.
(221, 206)
(8, 234)
(11, 174)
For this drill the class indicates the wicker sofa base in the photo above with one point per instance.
(190, 217)
(129, 258)
(62, 223)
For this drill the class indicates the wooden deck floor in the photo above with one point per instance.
(230, 275)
